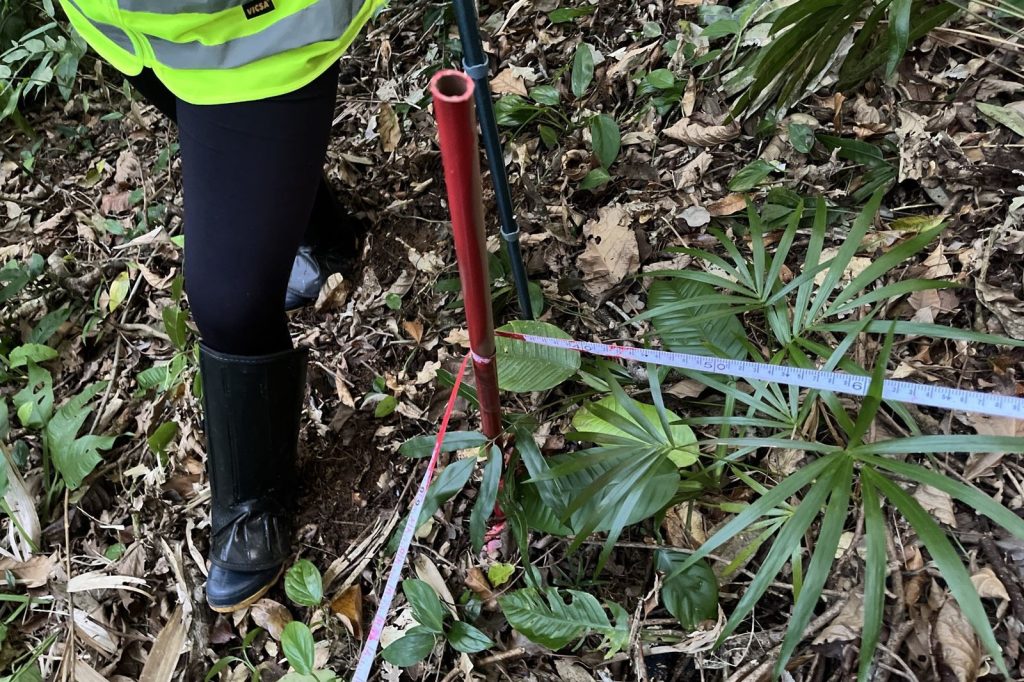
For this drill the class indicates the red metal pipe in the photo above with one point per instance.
(452, 92)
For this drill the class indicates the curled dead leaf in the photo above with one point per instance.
(701, 135)
(348, 606)
(988, 585)
(272, 616)
(389, 128)
(612, 251)
(937, 502)
(478, 583)
(846, 626)
(727, 205)
(956, 647)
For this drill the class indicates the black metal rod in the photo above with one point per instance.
(476, 66)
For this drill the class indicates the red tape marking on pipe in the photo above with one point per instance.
(362, 672)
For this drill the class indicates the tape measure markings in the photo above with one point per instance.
(838, 382)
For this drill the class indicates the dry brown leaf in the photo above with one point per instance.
(570, 671)
(727, 205)
(687, 388)
(988, 585)
(701, 135)
(115, 202)
(938, 502)
(846, 626)
(31, 573)
(427, 571)
(272, 616)
(690, 174)
(348, 606)
(163, 657)
(684, 526)
(508, 83)
(414, 328)
(128, 169)
(86, 673)
(21, 506)
(612, 251)
(696, 216)
(957, 647)
(477, 581)
(978, 464)
(388, 127)
(334, 293)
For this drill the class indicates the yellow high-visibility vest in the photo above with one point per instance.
(220, 51)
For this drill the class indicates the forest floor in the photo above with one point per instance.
(98, 195)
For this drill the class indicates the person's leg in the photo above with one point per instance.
(250, 179)
(331, 238)
(250, 173)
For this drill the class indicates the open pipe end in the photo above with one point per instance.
(451, 86)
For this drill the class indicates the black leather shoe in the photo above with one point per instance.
(252, 406)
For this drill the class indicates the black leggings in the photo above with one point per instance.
(253, 185)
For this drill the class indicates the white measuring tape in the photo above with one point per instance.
(838, 382)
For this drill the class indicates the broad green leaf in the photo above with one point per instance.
(412, 648)
(498, 574)
(751, 175)
(30, 352)
(175, 325)
(303, 584)
(162, 437)
(801, 136)
(468, 639)
(566, 14)
(720, 336)
(445, 486)
(691, 595)
(423, 446)
(298, 646)
(118, 291)
(607, 139)
(483, 508)
(385, 407)
(557, 623)
(545, 94)
(525, 367)
(426, 605)
(75, 458)
(1004, 115)
(34, 403)
(595, 178)
(663, 79)
(683, 454)
(582, 69)
(899, 33)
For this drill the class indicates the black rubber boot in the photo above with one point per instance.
(252, 406)
(330, 244)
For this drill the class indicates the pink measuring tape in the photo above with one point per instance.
(362, 672)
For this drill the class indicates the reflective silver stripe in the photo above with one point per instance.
(115, 34)
(179, 6)
(325, 20)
